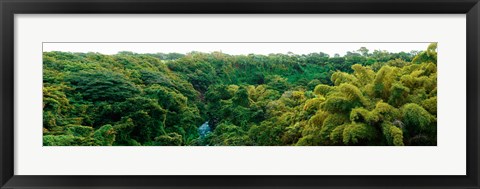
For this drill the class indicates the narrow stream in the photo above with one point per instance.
(204, 129)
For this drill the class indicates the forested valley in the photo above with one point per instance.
(363, 98)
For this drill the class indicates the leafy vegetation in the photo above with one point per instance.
(130, 99)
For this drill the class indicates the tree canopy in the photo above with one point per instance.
(127, 99)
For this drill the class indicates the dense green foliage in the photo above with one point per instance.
(127, 99)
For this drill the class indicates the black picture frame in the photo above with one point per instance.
(11, 7)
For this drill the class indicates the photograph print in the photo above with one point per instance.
(239, 94)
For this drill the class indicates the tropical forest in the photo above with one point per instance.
(362, 98)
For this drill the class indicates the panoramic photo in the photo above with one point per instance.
(239, 94)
